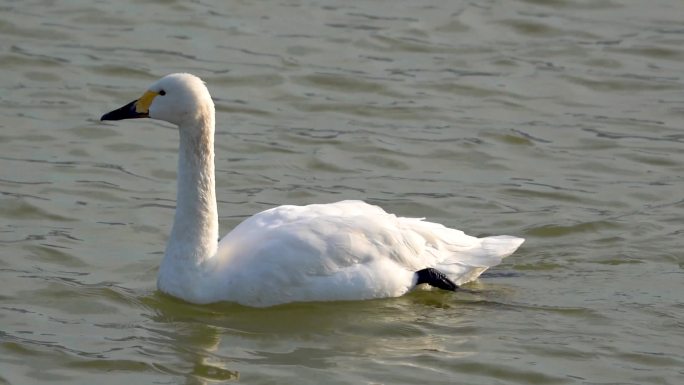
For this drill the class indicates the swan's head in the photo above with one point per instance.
(176, 98)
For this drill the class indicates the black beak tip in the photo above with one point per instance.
(126, 112)
(106, 116)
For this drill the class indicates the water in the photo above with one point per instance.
(559, 121)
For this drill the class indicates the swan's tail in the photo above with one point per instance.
(465, 264)
(501, 246)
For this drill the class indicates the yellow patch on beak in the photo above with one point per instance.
(142, 106)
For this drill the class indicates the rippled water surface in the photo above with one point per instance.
(561, 121)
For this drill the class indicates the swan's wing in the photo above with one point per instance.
(324, 239)
(321, 238)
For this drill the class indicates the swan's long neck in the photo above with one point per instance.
(194, 236)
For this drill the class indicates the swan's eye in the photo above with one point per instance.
(162, 92)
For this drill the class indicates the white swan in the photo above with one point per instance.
(347, 250)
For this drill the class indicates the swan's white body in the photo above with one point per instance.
(347, 250)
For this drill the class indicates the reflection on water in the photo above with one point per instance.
(559, 121)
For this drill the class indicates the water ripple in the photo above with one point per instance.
(556, 120)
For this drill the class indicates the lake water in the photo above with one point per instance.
(561, 121)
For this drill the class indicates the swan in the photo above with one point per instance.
(349, 250)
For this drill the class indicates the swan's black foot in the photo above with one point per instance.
(436, 278)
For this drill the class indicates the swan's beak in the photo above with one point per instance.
(139, 108)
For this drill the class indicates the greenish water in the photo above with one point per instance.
(559, 121)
